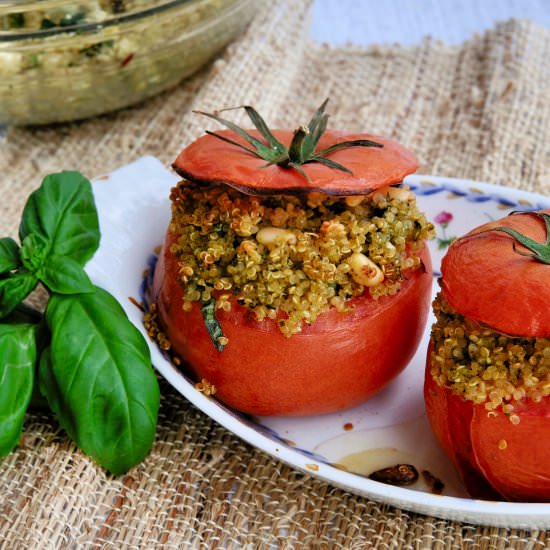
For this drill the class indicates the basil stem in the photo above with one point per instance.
(98, 379)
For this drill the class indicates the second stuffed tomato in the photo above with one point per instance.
(298, 284)
(487, 386)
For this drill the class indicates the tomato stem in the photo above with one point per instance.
(539, 251)
(302, 147)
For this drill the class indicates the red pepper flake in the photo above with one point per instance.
(348, 426)
(127, 60)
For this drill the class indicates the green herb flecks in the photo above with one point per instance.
(69, 19)
(213, 326)
(47, 24)
(302, 147)
(16, 20)
(97, 48)
(538, 251)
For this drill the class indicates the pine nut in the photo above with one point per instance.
(364, 271)
(272, 236)
(398, 193)
(354, 200)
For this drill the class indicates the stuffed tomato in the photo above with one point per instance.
(294, 277)
(487, 387)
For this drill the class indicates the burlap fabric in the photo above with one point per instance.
(480, 110)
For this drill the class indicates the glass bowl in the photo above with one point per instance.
(64, 60)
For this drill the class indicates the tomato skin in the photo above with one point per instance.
(450, 417)
(495, 457)
(338, 362)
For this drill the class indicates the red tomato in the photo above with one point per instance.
(488, 278)
(339, 361)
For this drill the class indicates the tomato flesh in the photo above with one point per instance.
(339, 361)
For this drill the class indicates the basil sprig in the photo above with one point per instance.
(94, 366)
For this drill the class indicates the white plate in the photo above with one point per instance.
(134, 211)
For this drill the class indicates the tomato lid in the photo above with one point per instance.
(490, 277)
(211, 160)
(311, 158)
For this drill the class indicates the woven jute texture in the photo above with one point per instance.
(480, 110)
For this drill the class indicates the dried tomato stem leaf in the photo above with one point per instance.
(263, 128)
(233, 142)
(262, 150)
(312, 139)
(546, 219)
(317, 126)
(331, 164)
(295, 155)
(346, 144)
(541, 251)
(298, 168)
(318, 116)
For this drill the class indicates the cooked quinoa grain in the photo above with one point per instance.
(291, 258)
(484, 366)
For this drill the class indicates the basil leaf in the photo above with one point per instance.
(98, 379)
(9, 255)
(24, 313)
(208, 311)
(34, 249)
(14, 289)
(17, 363)
(64, 276)
(62, 211)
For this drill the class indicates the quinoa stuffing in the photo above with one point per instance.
(292, 257)
(485, 366)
